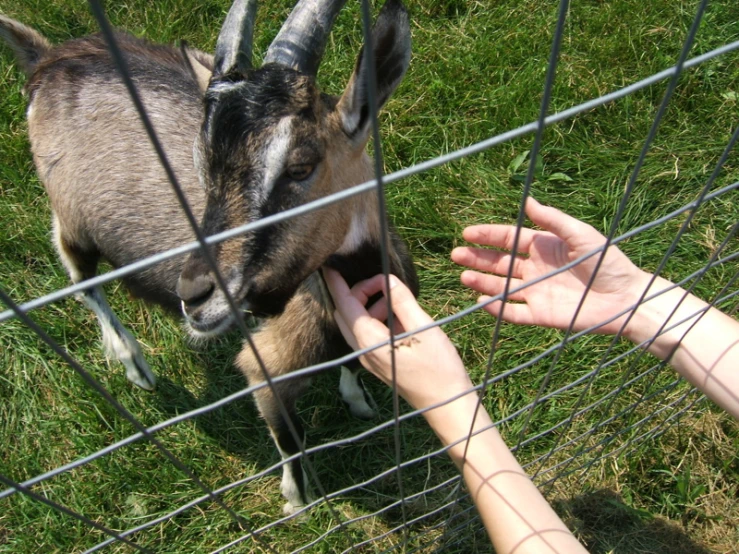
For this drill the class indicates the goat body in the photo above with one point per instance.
(244, 143)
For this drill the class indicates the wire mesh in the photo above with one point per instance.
(643, 405)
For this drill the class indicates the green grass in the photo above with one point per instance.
(477, 70)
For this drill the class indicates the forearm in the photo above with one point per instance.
(707, 356)
(515, 514)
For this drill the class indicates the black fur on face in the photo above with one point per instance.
(240, 107)
(259, 127)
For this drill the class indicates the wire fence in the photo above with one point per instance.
(620, 426)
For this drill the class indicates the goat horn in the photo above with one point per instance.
(234, 46)
(302, 39)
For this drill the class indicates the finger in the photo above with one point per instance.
(491, 284)
(560, 224)
(405, 307)
(398, 328)
(349, 337)
(491, 261)
(501, 236)
(351, 309)
(364, 290)
(378, 310)
(335, 283)
(519, 314)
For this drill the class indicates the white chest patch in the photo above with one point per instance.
(358, 232)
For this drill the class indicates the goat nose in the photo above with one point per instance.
(196, 290)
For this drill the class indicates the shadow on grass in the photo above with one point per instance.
(602, 521)
(236, 426)
(605, 524)
(238, 429)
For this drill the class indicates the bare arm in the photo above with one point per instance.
(708, 356)
(429, 371)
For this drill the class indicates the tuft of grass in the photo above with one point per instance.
(477, 70)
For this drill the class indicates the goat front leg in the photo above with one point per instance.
(294, 485)
(118, 342)
(274, 354)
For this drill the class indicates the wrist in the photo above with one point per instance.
(441, 392)
(453, 421)
(669, 307)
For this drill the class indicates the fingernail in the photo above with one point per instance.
(394, 281)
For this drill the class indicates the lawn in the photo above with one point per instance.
(477, 70)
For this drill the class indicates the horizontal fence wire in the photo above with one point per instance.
(618, 429)
(308, 371)
(364, 187)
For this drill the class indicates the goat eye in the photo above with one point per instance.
(299, 172)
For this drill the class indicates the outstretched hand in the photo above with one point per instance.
(429, 369)
(552, 302)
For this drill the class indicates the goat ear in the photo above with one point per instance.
(201, 65)
(391, 41)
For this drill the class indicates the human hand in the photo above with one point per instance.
(430, 371)
(428, 367)
(552, 302)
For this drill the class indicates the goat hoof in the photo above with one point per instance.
(139, 373)
(290, 510)
(362, 410)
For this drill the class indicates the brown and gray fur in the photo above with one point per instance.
(245, 143)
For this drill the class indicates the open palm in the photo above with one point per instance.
(552, 302)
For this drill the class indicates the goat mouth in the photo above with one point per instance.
(210, 326)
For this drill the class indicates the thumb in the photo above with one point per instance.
(405, 307)
(555, 221)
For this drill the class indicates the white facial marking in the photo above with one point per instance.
(224, 86)
(275, 155)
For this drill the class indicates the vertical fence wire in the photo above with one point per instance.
(673, 245)
(643, 348)
(672, 85)
(732, 280)
(534, 153)
(543, 110)
(371, 88)
(90, 380)
(71, 513)
(668, 415)
(240, 321)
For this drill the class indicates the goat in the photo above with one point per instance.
(245, 143)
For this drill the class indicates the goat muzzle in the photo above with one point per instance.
(195, 291)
